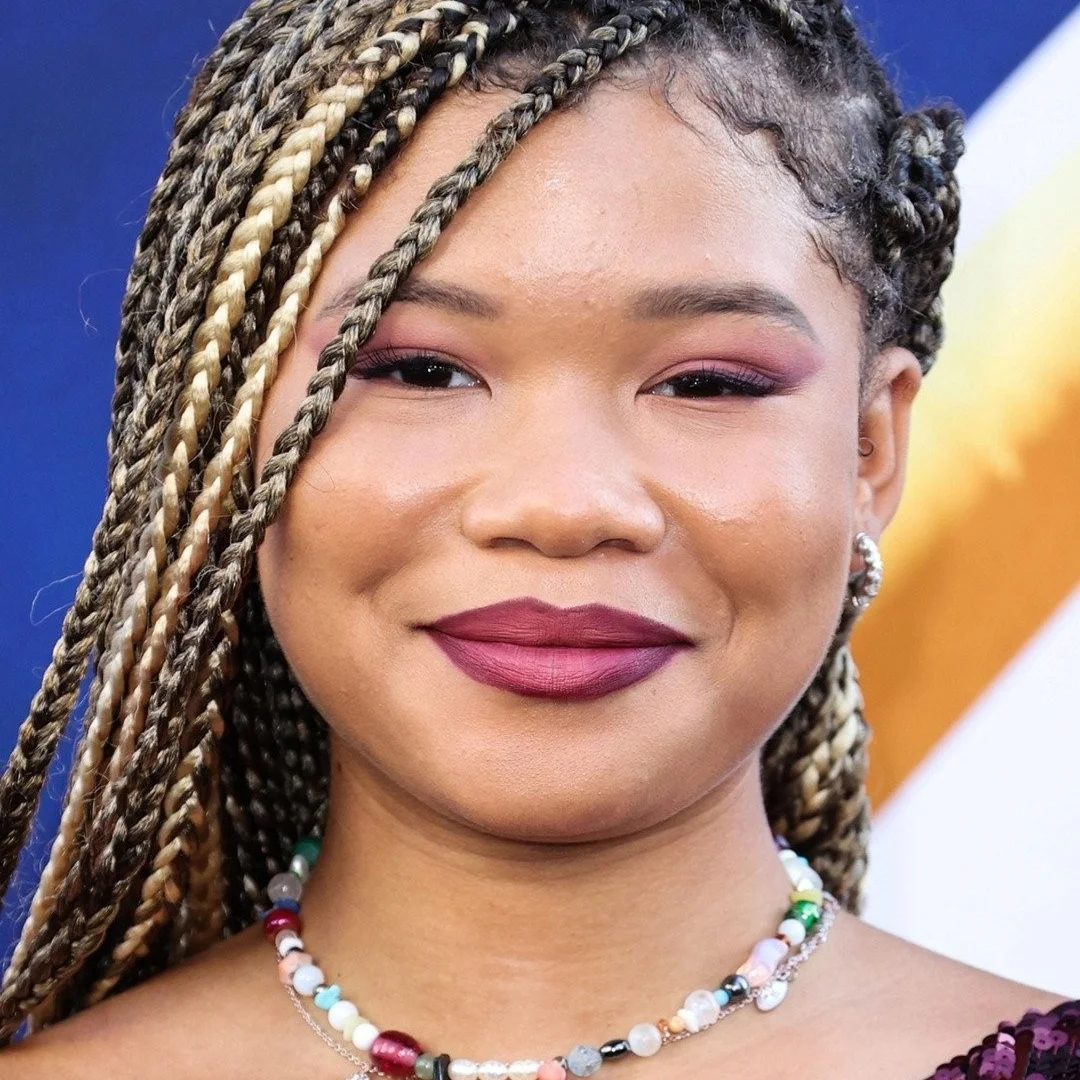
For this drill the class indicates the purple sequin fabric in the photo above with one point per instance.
(1040, 1046)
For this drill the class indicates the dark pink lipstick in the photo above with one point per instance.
(532, 648)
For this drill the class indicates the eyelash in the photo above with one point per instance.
(732, 382)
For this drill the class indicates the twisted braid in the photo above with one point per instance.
(297, 153)
(919, 207)
(197, 734)
(38, 737)
(160, 644)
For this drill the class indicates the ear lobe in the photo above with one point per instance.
(885, 421)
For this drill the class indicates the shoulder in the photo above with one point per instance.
(943, 1009)
(221, 1013)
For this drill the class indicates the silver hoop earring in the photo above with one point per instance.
(866, 584)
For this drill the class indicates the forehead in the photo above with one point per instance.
(621, 191)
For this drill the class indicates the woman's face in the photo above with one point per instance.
(647, 399)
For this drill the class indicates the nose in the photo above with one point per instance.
(565, 479)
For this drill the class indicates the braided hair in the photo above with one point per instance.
(196, 734)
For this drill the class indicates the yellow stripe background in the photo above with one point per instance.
(987, 541)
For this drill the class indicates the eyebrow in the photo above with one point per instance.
(706, 298)
(677, 300)
(456, 299)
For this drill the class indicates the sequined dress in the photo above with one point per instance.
(1039, 1046)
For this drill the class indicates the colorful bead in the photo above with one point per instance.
(287, 965)
(285, 904)
(550, 1070)
(395, 1053)
(364, 1035)
(690, 1021)
(722, 997)
(286, 942)
(276, 920)
(300, 868)
(307, 979)
(524, 1069)
(328, 996)
(815, 896)
(794, 931)
(441, 1068)
(703, 1005)
(764, 959)
(425, 1067)
(645, 1040)
(771, 995)
(309, 847)
(462, 1069)
(348, 1029)
(676, 1024)
(735, 986)
(284, 887)
(339, 1013)
(584, 1060)
(805, 912)
(492, 1070)
(614, 1048)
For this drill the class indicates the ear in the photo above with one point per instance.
(885, 421)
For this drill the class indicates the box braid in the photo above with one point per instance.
(197, 734)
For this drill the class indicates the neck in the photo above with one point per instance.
(488, 947)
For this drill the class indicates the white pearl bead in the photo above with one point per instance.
(288, 942)
(462, 1069)
(306, 978)
(703, 1005)
(771, 994)
(690, 1019)
(645, 1040)
(364, 1035)
(794, 931)
(525, 1069)
(492, 1070)
(340, 1013)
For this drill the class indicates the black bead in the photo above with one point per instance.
(441, 1068)
(615, 1048)
(736, 986)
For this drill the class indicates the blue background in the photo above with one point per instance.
(89, 96)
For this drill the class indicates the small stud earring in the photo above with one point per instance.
(867, 582)
(870, 447)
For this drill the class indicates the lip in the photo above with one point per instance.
(533, 648)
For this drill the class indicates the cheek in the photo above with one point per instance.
(767, 520)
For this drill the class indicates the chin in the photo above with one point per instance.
(543, 812)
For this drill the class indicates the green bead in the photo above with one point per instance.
(806, 912)
(425, 1066)
(309, 847)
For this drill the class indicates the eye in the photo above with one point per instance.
(425, 371)
(709, 381)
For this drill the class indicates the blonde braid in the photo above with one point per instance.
(814, 770)
(134, 413)
(134, 618)
(107, 805)
(235, 449)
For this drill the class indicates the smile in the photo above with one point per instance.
(554, 671)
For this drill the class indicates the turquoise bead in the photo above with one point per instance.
(722, 997)
(325, 998)
(309, 847)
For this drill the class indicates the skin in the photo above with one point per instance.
(505, 875)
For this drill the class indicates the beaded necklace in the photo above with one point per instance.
(764, 979)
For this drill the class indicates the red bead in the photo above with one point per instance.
(395, 1053)
(278, 919)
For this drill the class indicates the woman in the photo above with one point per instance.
(478, 566)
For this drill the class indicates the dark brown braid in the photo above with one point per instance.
(197, 735)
